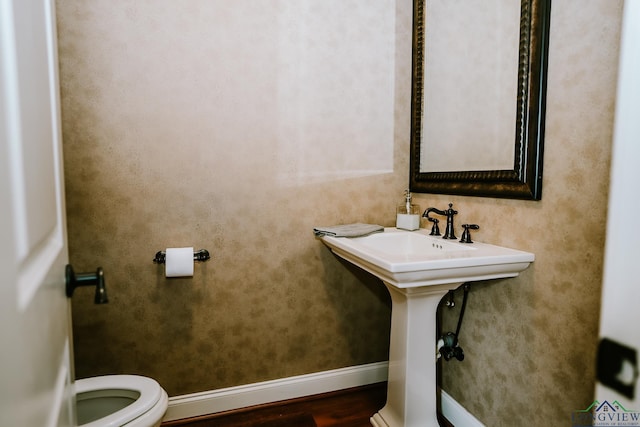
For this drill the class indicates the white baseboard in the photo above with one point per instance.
(226, 399)
(455, 413)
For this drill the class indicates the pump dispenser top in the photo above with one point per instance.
(408, 214)
(407, 196)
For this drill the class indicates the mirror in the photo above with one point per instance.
(478, 97)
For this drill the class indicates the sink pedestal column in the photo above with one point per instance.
(411, 389)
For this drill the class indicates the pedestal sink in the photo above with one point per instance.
(419, 269)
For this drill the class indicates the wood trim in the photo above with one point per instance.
(320, 406)
(231, 398)
(296, 392)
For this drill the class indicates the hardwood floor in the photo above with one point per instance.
(344, 408)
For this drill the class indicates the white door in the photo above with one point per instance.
(620, 316)
(35, 344)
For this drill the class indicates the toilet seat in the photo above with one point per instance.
(151, 402)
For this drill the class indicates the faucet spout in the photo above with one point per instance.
(449, 232)
(435, 229)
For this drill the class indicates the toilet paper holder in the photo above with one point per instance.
(201, 256)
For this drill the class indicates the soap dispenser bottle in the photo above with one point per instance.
(408, 214)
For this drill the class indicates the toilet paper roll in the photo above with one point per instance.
(179, 262)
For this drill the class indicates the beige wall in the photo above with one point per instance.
(173, 137)
(225, 125)
(530, 342)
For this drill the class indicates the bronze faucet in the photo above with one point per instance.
(435, 230)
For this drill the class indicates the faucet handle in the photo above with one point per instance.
(466, 235)
(435, 230)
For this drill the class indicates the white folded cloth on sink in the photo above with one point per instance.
(348, 230)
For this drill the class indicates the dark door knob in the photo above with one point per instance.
(96, 279)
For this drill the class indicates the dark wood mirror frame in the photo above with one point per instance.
(524, 181)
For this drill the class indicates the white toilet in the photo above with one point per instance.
(120, 400)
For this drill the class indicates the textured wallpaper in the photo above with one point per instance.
(530, 342)
(208, 124)
(234, 126)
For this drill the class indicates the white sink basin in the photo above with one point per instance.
(409, 259)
